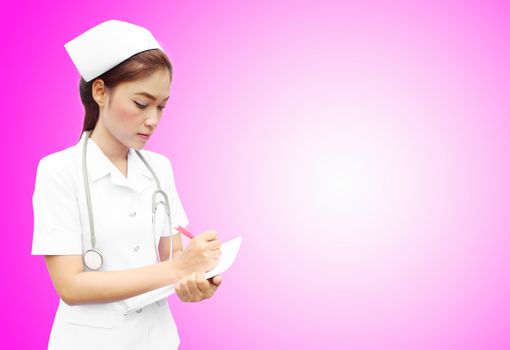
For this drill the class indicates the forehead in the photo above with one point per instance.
(156, 84)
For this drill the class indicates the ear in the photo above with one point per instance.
(99, 92)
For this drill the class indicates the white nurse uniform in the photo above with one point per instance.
(122, 216)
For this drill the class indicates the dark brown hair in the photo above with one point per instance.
(138, 66)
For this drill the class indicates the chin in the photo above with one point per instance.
(137, 146)
(135, 143)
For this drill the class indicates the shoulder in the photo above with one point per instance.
(59, 165)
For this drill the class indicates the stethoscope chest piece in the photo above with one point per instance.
(93, 259)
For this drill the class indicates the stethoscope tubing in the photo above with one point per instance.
(155, 203)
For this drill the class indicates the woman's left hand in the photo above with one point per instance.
(196, 287)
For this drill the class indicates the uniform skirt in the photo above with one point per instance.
(94, 327)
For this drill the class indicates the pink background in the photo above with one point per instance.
(361, 149)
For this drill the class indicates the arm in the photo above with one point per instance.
(76, 286)
(164, 247)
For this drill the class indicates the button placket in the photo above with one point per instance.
(132, 212)
(133, 206)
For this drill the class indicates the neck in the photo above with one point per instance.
(111, 147)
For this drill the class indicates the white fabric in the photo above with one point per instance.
(121, 211)
(87, 327)
(104, 46)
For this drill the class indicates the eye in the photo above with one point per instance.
(161, 107)
(139, 105)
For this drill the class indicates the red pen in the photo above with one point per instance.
(184, 231)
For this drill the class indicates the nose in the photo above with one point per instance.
(152, 120)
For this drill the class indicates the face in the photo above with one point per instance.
(131, 112)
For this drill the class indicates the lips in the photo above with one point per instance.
(144, 136)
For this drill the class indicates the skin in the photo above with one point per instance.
(123, 115)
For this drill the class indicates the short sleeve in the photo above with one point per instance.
(177, 213)
(57, 227)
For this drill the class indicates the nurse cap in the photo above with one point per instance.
(104, 46)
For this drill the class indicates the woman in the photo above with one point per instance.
(95, 198)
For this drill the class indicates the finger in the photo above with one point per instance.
(215, 253)
(195, 293)
(209, 235)
(216, 280)
(214, 283)
(213, 263)
(204, 286)
(179, 291)
(184, 288)
(216, 244)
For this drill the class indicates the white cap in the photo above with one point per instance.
(104, 46)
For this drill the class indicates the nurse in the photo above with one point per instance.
(97, 195)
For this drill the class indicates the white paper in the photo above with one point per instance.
(229, 252)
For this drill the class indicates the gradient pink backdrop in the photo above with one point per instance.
(361, 149)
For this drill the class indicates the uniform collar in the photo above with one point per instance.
(99, 165)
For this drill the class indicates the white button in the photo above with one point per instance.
(132, 214)
(139, 310)
(135, 248)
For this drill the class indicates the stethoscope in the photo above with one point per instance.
(92, 257)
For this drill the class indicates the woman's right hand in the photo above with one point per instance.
(202, 253)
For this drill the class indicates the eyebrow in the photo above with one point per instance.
(146, 94)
